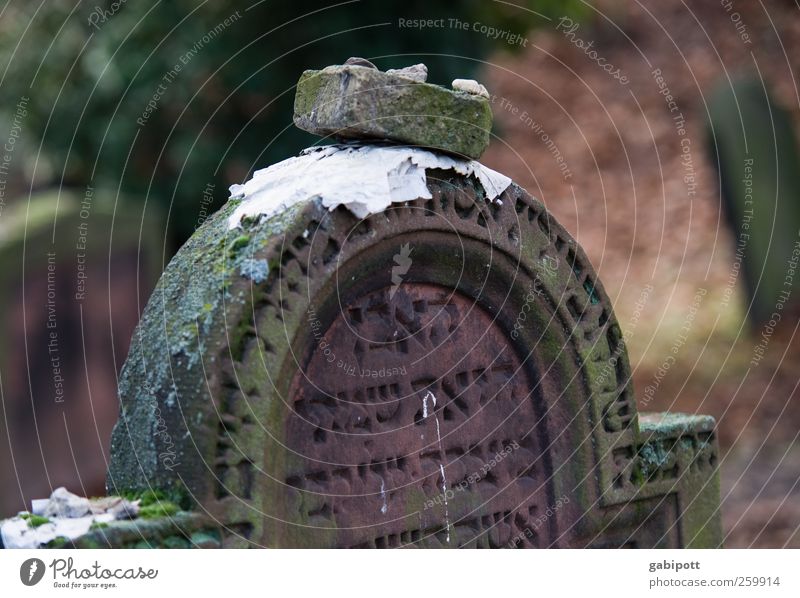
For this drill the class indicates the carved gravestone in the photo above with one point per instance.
(378, 346)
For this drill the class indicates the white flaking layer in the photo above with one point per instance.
(366, 179)
(17, 533)
(66, 516)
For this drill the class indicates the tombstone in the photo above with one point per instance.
(72, 286)
(752, 143)
(377, 345)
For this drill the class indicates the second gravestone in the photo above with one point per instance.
(375, 345)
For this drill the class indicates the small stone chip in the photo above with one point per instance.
(65, 504)
(470, 86)
(125, 509)
(415, 72)
(358, 61)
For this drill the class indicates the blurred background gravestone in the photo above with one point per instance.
(69, 306)
(754, 146)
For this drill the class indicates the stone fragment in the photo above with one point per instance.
(65, 504)
(116, 506)
(470, 86)
(125, 509)
(415, 72)
(360, 103)
(38, 505)
(357, 61)
(103, 504)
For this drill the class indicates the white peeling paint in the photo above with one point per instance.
(17, 533)
(69, 516)
(366, 179)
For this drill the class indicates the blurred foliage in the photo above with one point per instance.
(90, 71)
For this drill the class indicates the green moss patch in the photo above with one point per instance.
(35, 520)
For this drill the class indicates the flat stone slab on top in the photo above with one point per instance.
(354, 101)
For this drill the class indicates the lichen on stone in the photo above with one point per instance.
(255, 270)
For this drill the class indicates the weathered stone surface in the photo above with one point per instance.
(353, 101)
(415, 72)
(357, 61)
(446, 373)
(182, 530)
(65, 504)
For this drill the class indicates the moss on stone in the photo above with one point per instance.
(238, 243)
(146, 498)
(142, 544)
(674, 424)
(652, 457)
(58, 542)
(175, 542)
(35, 520)
(158, 509)
(359, 102)
(206, 539)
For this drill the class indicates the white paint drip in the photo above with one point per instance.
(441, 450)
(444, 493)
(385, 506)
(425, 403)
(366, 179)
